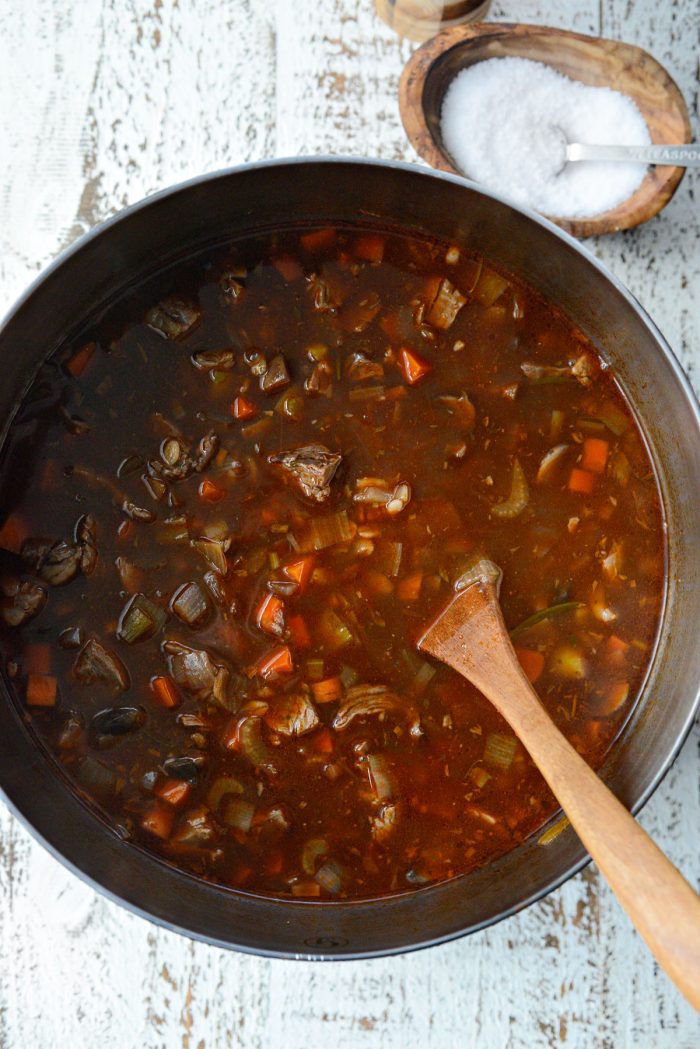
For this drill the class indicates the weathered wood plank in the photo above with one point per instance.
(115, 101)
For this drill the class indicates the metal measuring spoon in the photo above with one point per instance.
(685, 155)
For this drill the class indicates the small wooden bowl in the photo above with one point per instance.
(421, 19)
(591, 60)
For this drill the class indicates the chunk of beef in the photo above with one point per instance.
(313, 467)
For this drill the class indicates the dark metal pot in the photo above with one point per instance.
(213, 208)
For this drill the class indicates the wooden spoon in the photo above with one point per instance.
(471, 637)
(591, 60)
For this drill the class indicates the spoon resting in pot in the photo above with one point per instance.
(471, 637)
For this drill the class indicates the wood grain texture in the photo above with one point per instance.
(595, 61)
(471, 636)
(102, 102)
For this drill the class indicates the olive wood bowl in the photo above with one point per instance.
(590, 60)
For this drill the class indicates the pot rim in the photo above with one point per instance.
(326, 950)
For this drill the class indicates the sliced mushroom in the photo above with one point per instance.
(367, 700)
(359, 368)
(448, 301)
(173, 318)
(107, 725)
(293, 715)
(276, 375)
(313, 467)
(94, 662)
(222, 360)
(194, 670)
(20, 601)
(383, 824)
(177, 467)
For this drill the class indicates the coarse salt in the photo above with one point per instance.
(506, 122)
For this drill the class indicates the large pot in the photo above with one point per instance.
(211, 209)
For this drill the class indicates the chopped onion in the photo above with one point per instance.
(315, 849)
(550, 461)
(330, 877)
(518, 498)
(213, 551)
(380, 778)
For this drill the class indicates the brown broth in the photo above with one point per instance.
(287, 787)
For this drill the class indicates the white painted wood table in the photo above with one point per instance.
(102, 103)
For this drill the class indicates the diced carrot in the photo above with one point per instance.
(279, 661)
(41, 690)
(581, 481)
(322, 741)
(300, 572)
(408, 588)
(80, 359)
(269, 615)
(616, 644)
(158, 819)
(174, 791)
(13, 533)
(243, 408)
(414, 367)
(318, 239)
(288, 267)
(369, 246)
(299, 632)
(595, 454)
(240, 876)
(210, 492)
(165, 692)
(306, 888)
(532, 663)
(275, 863)
(37, 659)
(327, 691)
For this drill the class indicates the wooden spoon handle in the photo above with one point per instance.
(658, 899)
(471, 637)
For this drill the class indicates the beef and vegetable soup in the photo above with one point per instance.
(240, 498)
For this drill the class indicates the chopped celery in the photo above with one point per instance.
(366, 393)
(348, 676)
(315, 669)
(500, 750)
(322, 532)
(173, 530)
(336, 632)
(238, 813)
(140, 620)
(222, 786)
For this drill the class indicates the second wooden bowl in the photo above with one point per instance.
(591, 60)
